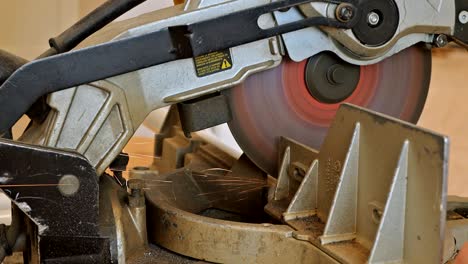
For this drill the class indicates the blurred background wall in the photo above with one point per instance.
(26, 25)
(87, 5)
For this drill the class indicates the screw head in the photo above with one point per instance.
(344, 12)
(373, 19)
(463, 17)
(440, 41)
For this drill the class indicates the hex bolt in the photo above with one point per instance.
(373, 19)
(440, 40)
(344, 12)
(463, 17)
(136, 197)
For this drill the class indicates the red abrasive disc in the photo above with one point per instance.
(277, 103)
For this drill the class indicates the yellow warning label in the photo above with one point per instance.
(213, 63)
(226, 65)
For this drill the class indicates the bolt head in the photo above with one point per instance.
(373, 19)
(441, 41)
(344, 12)
(463, 17)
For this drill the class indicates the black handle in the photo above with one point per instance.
(89, 24)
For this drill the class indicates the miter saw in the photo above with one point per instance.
(279, 73)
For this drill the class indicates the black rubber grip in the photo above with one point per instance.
(91, 23)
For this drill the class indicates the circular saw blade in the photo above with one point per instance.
(277, 103)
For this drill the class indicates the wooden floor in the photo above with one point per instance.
(446, 112)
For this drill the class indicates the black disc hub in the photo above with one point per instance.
(377, 23)
(329, 79)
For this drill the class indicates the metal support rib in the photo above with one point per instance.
(389, 241)
(282, 188)
(304, 202)
(341, 224)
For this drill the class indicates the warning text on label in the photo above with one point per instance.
(213, 63)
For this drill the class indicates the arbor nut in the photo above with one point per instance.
(345, 12)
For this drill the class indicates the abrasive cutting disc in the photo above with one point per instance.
(277, 103)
